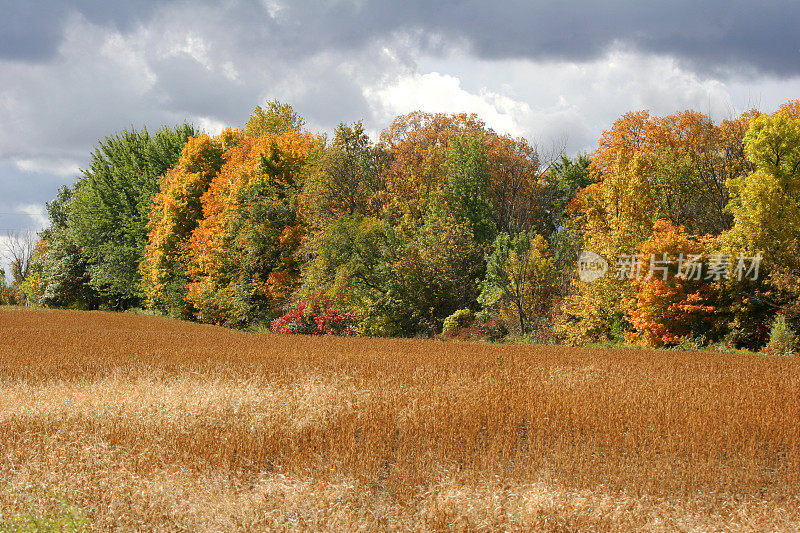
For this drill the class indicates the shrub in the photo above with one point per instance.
(460, 319)
(315, 315)
(465, 325)
(782, 340)
(690, 343)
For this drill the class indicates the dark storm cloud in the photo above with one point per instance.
(31, 30)
(709, 34)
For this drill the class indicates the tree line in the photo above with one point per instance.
(441, 227)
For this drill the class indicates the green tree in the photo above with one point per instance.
(111, 206)
(521, 280)
(566, 177)
(350, 178)
(438, 272)
(467, 185)
(353, 262)
(6, 296)
(59, 265)
(766, 203)
(265, 236)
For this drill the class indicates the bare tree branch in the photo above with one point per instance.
(19, 250)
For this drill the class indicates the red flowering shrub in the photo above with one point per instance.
(315, 315)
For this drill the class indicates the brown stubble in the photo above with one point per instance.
(152, 423)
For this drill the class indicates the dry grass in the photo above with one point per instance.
(147, 423)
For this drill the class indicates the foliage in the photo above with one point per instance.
(314, 316)
(460, 319)
(59, 268)
(766, 203)
(275, 117)
(350, 178)
(672, 168)
(440, 219)
(766, 212)
(353, 260)
(595, 312)
(782, 340)
(9, 295)
(419, 143)
(175, 213)
(566, 177)
(521, 198)
(520, 280)
(669, 304)
(466, 191)
(438, 273)
(241, 264)
(110, 208)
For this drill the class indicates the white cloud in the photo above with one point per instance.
(210, 126)
(35, 212)
(190, 45)
(578, 101)
(435, 92)
(58, 167)
(129, 54)
(272, 7)
(229, 70)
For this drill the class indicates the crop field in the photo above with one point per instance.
(135, 422)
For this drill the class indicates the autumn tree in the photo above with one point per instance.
(766, 213)
(674, 298)
(765, 204)
(175, 214)
(521, 280)
(350, 177)
(274, 117)
(419, 143)
(646, 169)
(241, 255)
(518, 187)
(438, 272)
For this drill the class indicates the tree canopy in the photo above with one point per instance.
(440, 220)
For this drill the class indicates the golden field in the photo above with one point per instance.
(143, 423)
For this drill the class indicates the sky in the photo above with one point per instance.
(556, 72)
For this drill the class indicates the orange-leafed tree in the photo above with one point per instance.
(518, 188)
(242, 255)
(646, 169)
(175, 213)
(673, 297)
(419, 143)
